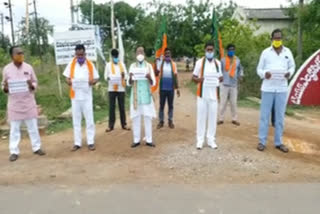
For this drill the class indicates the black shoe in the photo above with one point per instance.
(39, 152)
(13, 157)
(75, 148)
(220, 122)
(92, 147)
(134, 145)
(199, 148)
(282, 148)
(261, 147)
(160, 125)
(109, 130)
(171, 125)
(126, 128)
(150, 144)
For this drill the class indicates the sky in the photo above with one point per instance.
(58, 11)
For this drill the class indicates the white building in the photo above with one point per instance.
(267, 19)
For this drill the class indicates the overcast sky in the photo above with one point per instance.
(58, 11)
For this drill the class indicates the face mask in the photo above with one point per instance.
(276, 43)
(116, 60)
(140, 57)
(230, 53)
(209, 55)
(19, 58)
(167, 58)
(81, 60)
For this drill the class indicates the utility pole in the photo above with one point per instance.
(37, 28)
(2, 30)
(9, 18)
(299, 45)
(92, 11)
(112, 25)
(72, 11)
(27, 17)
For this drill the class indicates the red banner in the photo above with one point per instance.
(304, 89)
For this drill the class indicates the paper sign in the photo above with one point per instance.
(139, 73)
(80, 84)
(278, 74)
(211, 80)
(115, 80)
(18, 86)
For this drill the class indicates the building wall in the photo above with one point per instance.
(267, 26)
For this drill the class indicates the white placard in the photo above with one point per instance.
(80, 84)
(115, 80)
(278, 74)
(65, 43)
(18, 86)
(139, 73)
(211, 80)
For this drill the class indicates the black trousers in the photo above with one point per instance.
(112, 106)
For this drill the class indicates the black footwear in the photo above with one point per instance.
(92, 147)
(261, 147)
(150, 144)
(134, 145)
(234, 122)
(109, 130)
(282, 148)
(160, 125)
(198, 148)
(126, 128)
(39, 152)
(13, 157)
(171, 125)
(75, 148)
(220, 122)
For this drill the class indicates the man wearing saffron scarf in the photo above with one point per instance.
(81, 75)
(168, 84)
(20, 82)
(141, 78)
(116, 75)
(275, 67)
(232, 72)
(207, 74)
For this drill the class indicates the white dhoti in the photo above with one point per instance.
(206, 121)
(85, 108)
(148, 112)
(15, 135)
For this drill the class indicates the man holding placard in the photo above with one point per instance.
(81, 75)
(275, 67)
(141, 78)
(20, 82)
(232, 73)
(116, 75)
(207, 74)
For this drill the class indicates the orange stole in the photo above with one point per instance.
(72, 70)
(232, 72)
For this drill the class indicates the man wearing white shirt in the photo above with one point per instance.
(116, 75)
(141, 78)
(207, 74)
(81, 75)
(276, 66)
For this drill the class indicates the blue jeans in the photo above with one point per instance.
(166, 96)
(268, 100)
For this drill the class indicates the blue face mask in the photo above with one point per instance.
(116, 60)
(81, 60)
(231, 53)
(209, 55)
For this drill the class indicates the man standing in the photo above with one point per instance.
(275, 67)
(20, 82)
(232, 72)
(81, 75)
(207, 74)
(116, 75)
(168, 83)
(141, 78)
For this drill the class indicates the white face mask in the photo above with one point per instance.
(140, 57)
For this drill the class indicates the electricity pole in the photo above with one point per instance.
(9, 18)
(37, 28)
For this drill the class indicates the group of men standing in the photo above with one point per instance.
(275, 67)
